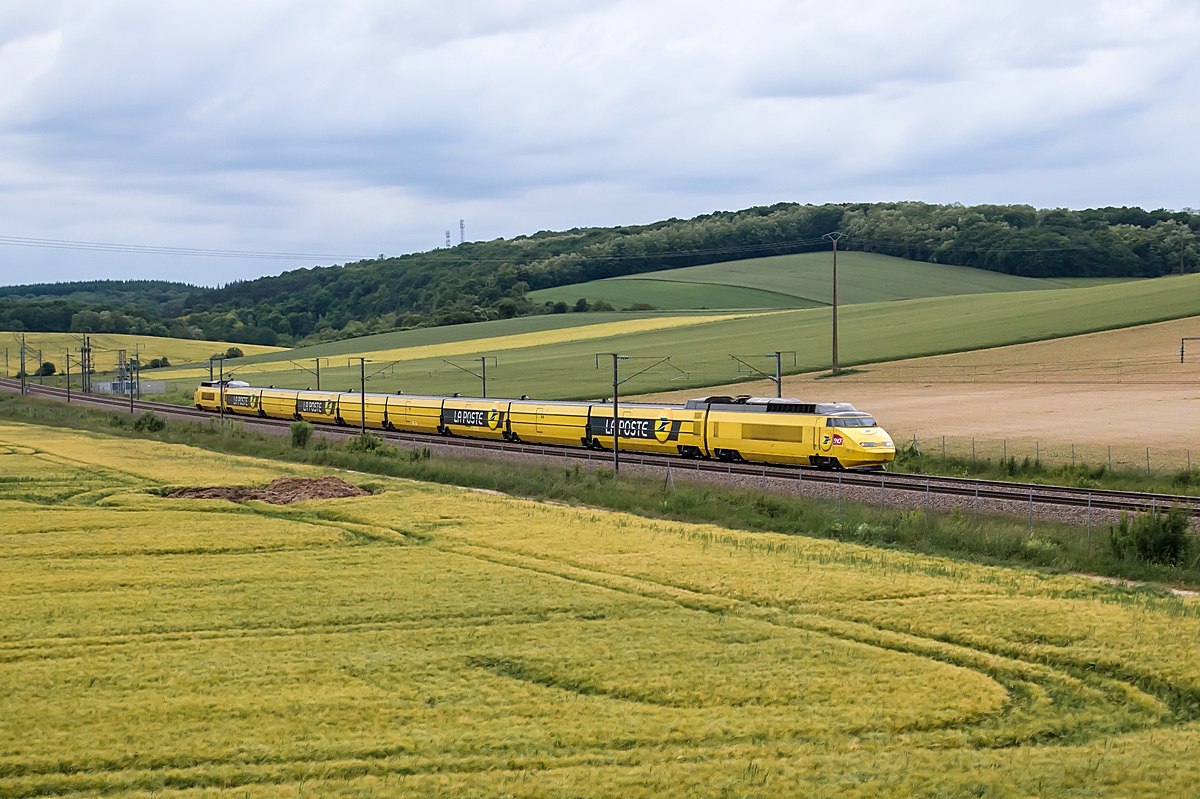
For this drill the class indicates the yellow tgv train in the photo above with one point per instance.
(830, 435)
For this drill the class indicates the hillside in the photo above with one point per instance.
(560, 356)
(793, 281)
(489, 280)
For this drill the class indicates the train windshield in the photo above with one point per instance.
(851, 421)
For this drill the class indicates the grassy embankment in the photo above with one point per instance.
(429, 641)
(996, 540)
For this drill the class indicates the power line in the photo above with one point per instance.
(146, 249)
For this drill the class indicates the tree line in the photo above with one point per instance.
(477, 281)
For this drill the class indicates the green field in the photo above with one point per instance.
(433, 641)
(542, 366)
(794, 281)
(670, 295)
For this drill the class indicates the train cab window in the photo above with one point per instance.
(850, 421)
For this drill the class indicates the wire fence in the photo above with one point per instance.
(1150, 459)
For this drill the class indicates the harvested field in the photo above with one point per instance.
(1124, 389)
(434, 641)
(281, 491)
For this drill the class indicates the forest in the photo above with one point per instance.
(487, 280)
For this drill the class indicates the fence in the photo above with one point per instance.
(1147, 458)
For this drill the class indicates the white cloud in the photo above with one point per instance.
(372, 127)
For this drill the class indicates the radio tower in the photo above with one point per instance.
(447, 239)
(462, 230)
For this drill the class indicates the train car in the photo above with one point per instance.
(764, 430)
(672, 429)
(415, 414)
(242, 400)
(317, 406)
(208, 394)
(543, 422)
(475, 418)
(277, 403)
(353, 406)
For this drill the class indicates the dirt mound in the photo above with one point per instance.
(281, 491)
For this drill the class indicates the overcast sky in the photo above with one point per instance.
(349, 129)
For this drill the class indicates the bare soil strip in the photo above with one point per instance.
(281, 491)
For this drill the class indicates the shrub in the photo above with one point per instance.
(116, 421)
(148, 422)
(364, 442)
(641, 306)
(301, 432)
(234, 352)
(46, 369)
(1151, 537)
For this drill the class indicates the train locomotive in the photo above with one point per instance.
(826, 435)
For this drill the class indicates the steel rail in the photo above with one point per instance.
(996, 490)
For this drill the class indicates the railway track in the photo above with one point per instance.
(888, 489)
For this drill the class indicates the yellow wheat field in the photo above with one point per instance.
(452, 349)
(436, 641)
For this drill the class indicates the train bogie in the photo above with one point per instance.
(562, 423)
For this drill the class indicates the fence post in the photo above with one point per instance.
(1006, 450)
(1110, 457)
(943, 448)
(972, 449)
(1072, 456)
(1037, 452)
(1147, 461)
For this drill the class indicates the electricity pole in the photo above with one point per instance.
(362, 392)
(68, 359)
(221, 389)
(23, 390)
(41, 371)
(833, 237)
(318, 374)
(616, 422)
